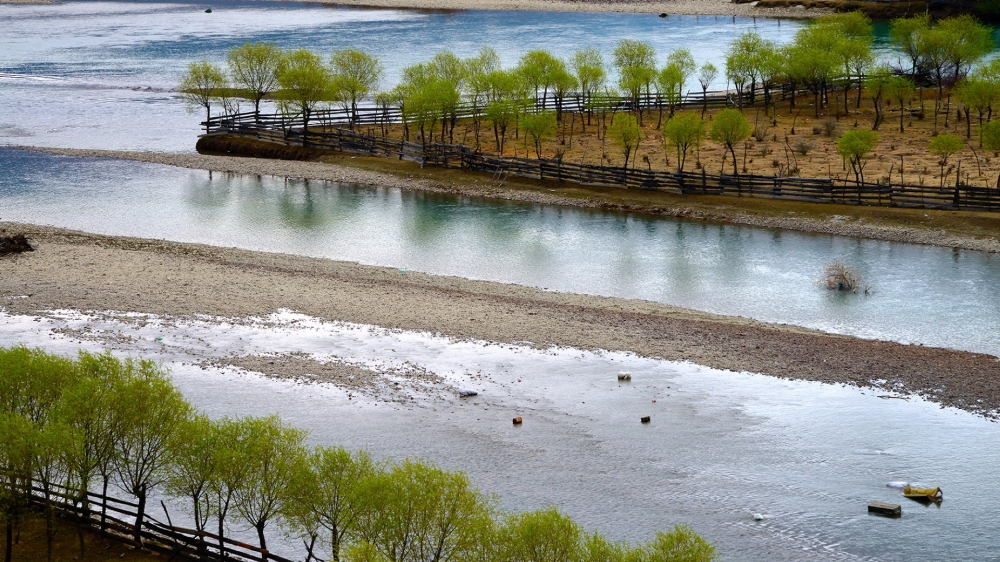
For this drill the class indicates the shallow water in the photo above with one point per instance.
(721, 445)
(75, 74)
(922, 294)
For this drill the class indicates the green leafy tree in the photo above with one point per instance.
(253, 67)
(730, 128)
(668, 83)
(328, 503)
(967, 42)
(901, 90)
(979, 94)
(305, 83)
(990, 135)
(196, 463)
(679, 545)
(537, 69)
(147, 413)
(591, 75)
(626, 133)
(706, 75)
(944, 147)
(202, 84)
(16, 458)
(812, 60)
(419, 512)
(539, 127)
(355, 75)
(682, 60)
(505, 101)
(683, 132)
(636, 64)
(744, 59)
(876, 84)
(905, 34)
(544, 535)
(854, 147)
(269, 450)
(478, 68)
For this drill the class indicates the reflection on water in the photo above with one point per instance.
(928, 295)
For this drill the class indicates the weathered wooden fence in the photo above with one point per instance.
(820, 190)
(110, 516)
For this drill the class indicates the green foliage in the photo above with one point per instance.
(544, 535)
(626, 133)
(539, 127)
(943, 146)
(305, 83)
(679, 545)
(201, 84)
(990, 136)
(682, 133)
(538, 70)
(254, 68)
(905, 33)
(900, 89)
(854, 147)
(355, 74)
(636, 64)
(588, 66)
(730, 127)
(269, 451)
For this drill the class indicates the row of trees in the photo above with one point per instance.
(97, 420)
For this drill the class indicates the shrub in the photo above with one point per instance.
(838, 276)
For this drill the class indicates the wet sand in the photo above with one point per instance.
(79, 271)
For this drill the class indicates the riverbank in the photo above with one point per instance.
(672, 7)
(951, 229)
(79, 271)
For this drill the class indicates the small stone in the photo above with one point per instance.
(517, 420)
(644, 419)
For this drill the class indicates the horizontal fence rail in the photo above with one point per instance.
(323, 134)
(111, 516)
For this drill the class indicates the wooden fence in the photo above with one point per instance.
(163, 538)
(819, 190)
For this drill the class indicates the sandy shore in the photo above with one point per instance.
(677, 7)
(331, 172)
(78, 271)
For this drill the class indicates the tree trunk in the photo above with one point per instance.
(10, 541)
(263, 541)
(104, 502)
(139, 514)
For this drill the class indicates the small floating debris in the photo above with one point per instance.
(624, 376)
(208, 11)
(757, 517)
(402, 271)
(887, 509)
(923, 494)
(644, 419)
(663, 15)
(898, 484)
(467, 392)
(517, 420)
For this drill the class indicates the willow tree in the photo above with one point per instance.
(730, 128)
(588, 66)
(625, 132)
(901, 90)
(905, 34)
(855, 147)
(270, 451)
(538, 69)
(327, 501)
(542, 536)
(355, 75)
(944, 146)
(539, 127)
(148, 413)
(305, 83)
(202, 84)
(706, 75)
(253, 68)
(505, 101)
(636, 64)
(477, 70)
(683, 132)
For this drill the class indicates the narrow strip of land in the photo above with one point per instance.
(678, 7)
(952, 229)
(73, 270)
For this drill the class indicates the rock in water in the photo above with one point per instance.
(467, 392)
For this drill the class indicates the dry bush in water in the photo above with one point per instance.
(838, 276)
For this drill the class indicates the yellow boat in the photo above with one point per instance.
(924, 494)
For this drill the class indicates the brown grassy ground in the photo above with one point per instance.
(66, 547)
(778, 149)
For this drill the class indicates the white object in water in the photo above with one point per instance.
(467, 392)
(624, 376)
(758, 517)
(897, 484)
